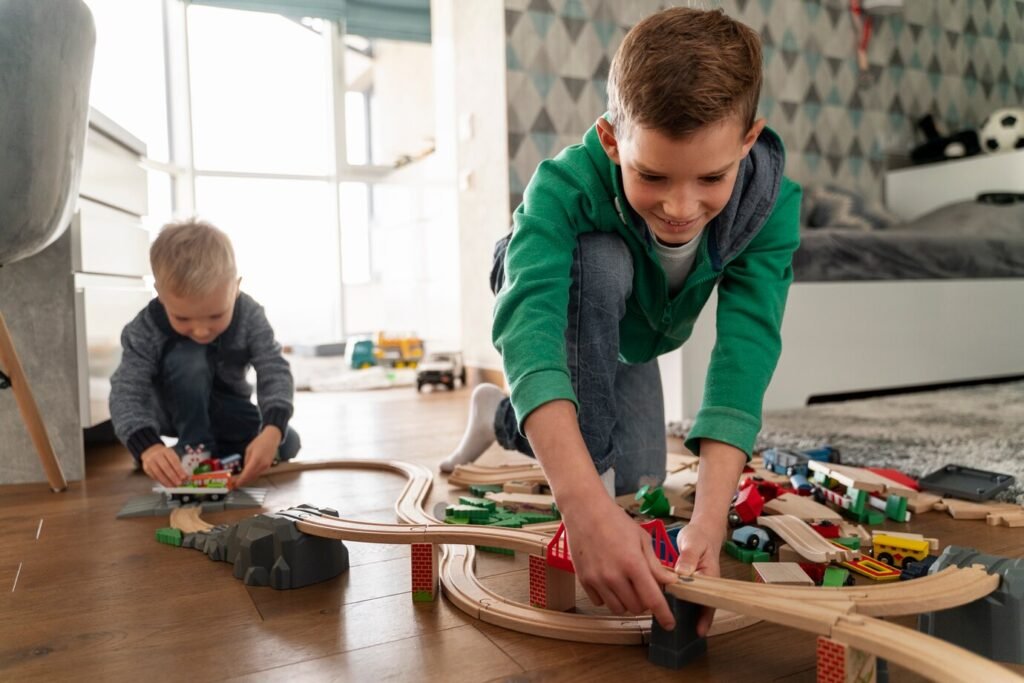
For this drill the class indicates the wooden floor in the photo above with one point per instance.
(86, 596)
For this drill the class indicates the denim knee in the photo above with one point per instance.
(186, 370)
(606, 268)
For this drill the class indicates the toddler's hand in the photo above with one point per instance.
(699, 547)
(259, 455)
(163, 465)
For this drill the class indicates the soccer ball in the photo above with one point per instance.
(1002, 131)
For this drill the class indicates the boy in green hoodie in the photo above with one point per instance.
(615, 249)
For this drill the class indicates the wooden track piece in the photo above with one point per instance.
(860, 478)
(807, 542)
(803, 507)
(465, 475)
(965, 509)
(187, 519)
(1012, 518)
(780, 574)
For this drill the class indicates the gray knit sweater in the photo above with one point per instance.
(135, 408)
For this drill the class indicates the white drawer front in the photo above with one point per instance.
(103, 306)
(111, 174)
(107, 241)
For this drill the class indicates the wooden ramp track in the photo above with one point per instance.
(803, 539)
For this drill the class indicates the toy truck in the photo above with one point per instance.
(398, 351)
(441, 367)
(359, 354)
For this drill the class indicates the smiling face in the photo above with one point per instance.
(678, 185)
(204, 317)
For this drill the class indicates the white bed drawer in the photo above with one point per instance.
(111, 174)
(108, 241)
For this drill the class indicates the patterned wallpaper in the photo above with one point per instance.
(955, 59)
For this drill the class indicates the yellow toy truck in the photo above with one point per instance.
(399, 351)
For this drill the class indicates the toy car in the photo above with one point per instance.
(441, 367)
(747, 505)
(787, 462)
(754, 538)
(784, 462)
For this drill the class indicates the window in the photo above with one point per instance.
(260, 93)
(128, 82)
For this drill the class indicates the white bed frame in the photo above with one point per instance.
(844, 337)
(841, 337)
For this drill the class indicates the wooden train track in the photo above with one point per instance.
(807, 542)
(466, 475)
(847, 615)
(464, 589)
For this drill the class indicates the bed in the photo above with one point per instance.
(935, 300)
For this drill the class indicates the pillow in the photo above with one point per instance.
(835, 207)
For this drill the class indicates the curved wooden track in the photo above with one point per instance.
(465, 591)
(843, 614)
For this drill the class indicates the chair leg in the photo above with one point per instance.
(29, 411)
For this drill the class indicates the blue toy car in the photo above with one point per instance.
(781, 461)
(754, 538)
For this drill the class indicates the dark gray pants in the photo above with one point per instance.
(199, 412)
(621, 407)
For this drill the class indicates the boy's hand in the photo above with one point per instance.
(615, 562)
(259, 455)
(163, 465)
(699, 547)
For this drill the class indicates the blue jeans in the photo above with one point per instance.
(621, 407)
(197, 411)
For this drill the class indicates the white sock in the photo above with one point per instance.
(480, 429)
(608, 479)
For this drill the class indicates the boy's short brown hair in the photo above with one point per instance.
(682, 69)
(191, 258)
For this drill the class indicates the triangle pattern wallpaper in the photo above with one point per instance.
(957, 60)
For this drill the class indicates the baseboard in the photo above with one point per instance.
(918, 388)
(476, 376)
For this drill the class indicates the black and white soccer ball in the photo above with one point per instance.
(1002, 131)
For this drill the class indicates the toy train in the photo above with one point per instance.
(208, 486)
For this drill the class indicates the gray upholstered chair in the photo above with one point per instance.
(46, 53)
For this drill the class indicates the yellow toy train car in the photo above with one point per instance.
(899, 552)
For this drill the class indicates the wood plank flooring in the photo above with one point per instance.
(86, 596)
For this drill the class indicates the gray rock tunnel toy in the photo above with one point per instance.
(993, 626)
(268, 549)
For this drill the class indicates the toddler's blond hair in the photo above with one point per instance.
(191, 258)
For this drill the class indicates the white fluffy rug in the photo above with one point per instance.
(981, 426)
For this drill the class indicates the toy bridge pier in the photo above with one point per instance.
(552, 577)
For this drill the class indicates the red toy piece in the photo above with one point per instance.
(748, 505)
(827, 529)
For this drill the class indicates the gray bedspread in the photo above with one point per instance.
(963, 240)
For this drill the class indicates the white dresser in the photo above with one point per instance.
(110, 257)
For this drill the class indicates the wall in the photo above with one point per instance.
(956, 59)
(469, 76)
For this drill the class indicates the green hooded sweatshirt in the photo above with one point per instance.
(746, 250)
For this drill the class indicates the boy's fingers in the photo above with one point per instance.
(707, 615)
(611, 601)
(653, 599)
(594, 596)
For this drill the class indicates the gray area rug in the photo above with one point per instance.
(981, 427)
